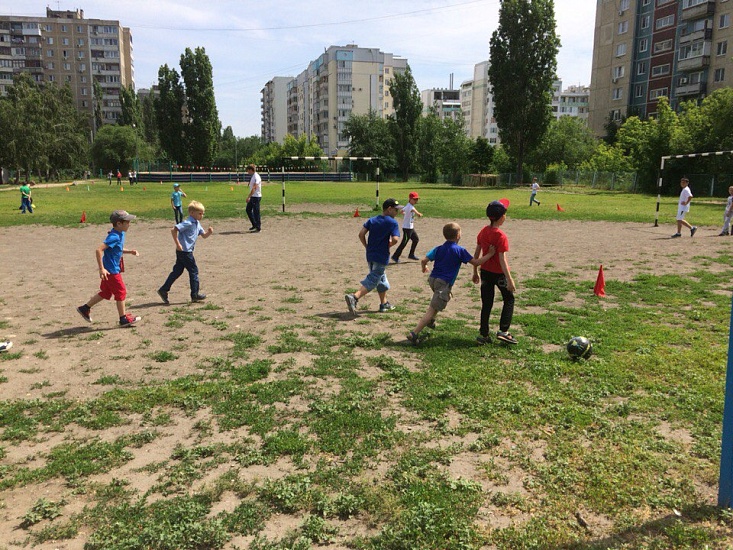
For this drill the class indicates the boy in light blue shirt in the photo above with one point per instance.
(177, 203)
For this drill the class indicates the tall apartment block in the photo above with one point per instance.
(646, 49)
(274, 119)
(572, 101)
(65, 49)
(344, 80)
(447, 102)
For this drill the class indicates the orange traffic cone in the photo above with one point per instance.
(600, 287)
(231, 188)
(67, 187)
(144, 188)
(560, 208)
(83, 217)
(356, 213)
(122, 188)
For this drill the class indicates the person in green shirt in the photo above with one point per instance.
(26, 203)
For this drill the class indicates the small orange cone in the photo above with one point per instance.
(231, 188)
(122, 188)
(145, 188)
(356, 213)
(67, 187)
(600, 288)
(83, 217)
(560, 208)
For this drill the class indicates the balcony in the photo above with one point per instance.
(699, 11)
(693, 63)
(705, 34)
(691, 89)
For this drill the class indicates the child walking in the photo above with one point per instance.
(495, 273)
(177, 202)
(535, 188)
(727, 214)
(683, 208)
(383, 232)
(447, 259)
(408, 228)
(111, 266)
(185, 235)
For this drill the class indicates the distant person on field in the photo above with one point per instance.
(408, 228)
(254, 198)
(535, 188)
(177, 202)
(683, 208)
(383, 233)
(131, 177)
(185, 235)
(111, 267)
(109, 178)
(119, 177)
(447, 259)
(728, 213)
(495, 273)
(26, 201)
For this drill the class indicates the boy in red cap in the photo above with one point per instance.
(495, 272)
(408, 228)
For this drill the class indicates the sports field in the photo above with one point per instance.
(268, 417)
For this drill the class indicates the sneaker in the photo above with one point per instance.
(351, 302)
(723, 234)
(395, 260)
(483, 340)
(693, 230)
(431, 324)
(85, 311)
(506, 337)
(252, 228)
(129, 320)
(198, 298)
(386, 306)
(413, 257)
(163, 296)
(414, 338)
(676, 235)
(538, 203)
(5, 346)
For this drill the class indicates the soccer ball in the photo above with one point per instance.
(579, 347)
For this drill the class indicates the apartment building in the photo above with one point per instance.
(572, 101)
(65, 49)
(646, 49)
(447, 102)
(275, 120)
(474, 100)
(344, 80)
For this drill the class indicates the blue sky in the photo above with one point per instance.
(250, 42)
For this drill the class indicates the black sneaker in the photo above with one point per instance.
(483, 340)
(129, 320)
(395, 260)
(676, 235)
(85, 311)
(386, 306)
(163, 296)
(413, 338)
(413, 257)
(693, 230)
(198, 298)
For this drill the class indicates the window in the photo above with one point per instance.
(696, 49)
(620, 50)
(722, 47)
(81, 55)
(80, 42)
(659, 92)
(50, 65)
(660, 70)
(64, 28)
(663, 2)
(719, 75)
(624, 5)
(616, 114)
(84, 91)
(51, 78)
(49, 40)
(49, 53)
(724, 21)
(65, 41)
(692, 3)
(664, 22)
(643, 45)
(85, 103)
(639, 90)
(48, 28)
(617, 93)
(663, 46)
(78, 28)
(646, 2)
(618, 72)
(623, 27)
(645, 21)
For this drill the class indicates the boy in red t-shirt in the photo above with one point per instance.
(495, 272)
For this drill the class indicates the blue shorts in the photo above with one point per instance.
(377, 278)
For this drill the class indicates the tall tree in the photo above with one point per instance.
(455, 149)
(169, 114)
(202, 127)
(523, 56)
(131, 108)
(567, 141)
(482, 153)
(429, 145)
(149, 121)
(405, 121)
(369, 136)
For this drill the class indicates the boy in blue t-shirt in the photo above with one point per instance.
(111, 266)
(383, 232)
(177, 203)
(448, 259)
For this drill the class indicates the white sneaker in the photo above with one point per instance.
(5, 346)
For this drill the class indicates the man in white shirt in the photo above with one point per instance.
(253, 199)
(683, 208)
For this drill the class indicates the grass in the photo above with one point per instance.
(420, 447)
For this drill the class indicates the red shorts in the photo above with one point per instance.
(113, 286)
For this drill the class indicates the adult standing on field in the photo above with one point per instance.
(254, 198)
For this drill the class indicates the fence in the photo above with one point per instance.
(613, 181)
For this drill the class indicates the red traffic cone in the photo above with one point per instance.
(560, 208)
(600, 287)
(83, 217)
(356, 213)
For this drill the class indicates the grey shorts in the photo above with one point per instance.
(441, 293)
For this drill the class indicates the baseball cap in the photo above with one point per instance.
(390, 203)
(414, 195)
(121, 216)
(496, 209)
(176, 185)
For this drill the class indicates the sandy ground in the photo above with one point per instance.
(296, 270)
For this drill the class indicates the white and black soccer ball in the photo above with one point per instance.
(579, 347)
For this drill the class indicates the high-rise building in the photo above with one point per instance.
(474, 96)
(646, 49)
(572, 101)
(275, 120)
(447, 103)
(344, 80)
(65, 49)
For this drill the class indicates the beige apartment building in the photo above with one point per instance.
(646, 49)
(63, 48)
(344, 80)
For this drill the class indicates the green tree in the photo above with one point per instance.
(303, 146)
(482, 153)
(455, 150)
(169, 114)
(370, 136)
(405, 121)
(523, 53)
(202, 127)
(567, 140)
(607, 158)
(131, 109)
(114, 148)
(149, 122)
(429, 146)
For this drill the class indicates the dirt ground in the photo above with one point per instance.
(295, 270)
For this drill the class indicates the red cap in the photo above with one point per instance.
(414, 195)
